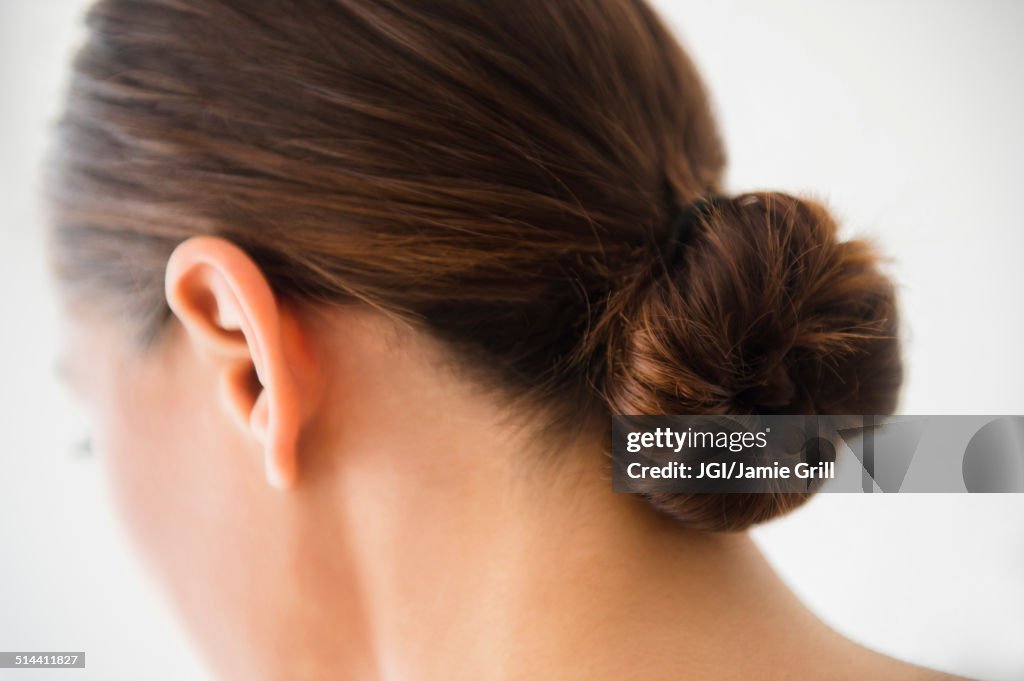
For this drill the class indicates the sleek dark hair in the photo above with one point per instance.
(500, 174)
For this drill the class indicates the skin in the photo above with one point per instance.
(325, 497)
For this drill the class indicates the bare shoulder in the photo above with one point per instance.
(913, 673)
(887, 668)
(852, 661)
(922, 674)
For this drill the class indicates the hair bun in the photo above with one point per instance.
(765, 310)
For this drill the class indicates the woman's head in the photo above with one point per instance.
(498, 178)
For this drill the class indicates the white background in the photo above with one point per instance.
(904, 116)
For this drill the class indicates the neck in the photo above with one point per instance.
(472, 555)
(549, 575)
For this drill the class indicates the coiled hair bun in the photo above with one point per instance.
(764, 311)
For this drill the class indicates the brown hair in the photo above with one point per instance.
(500, 174)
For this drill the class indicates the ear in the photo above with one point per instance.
(235, 323)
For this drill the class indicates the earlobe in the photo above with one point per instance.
(234, 322)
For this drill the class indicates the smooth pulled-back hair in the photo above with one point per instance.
(501, 175)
